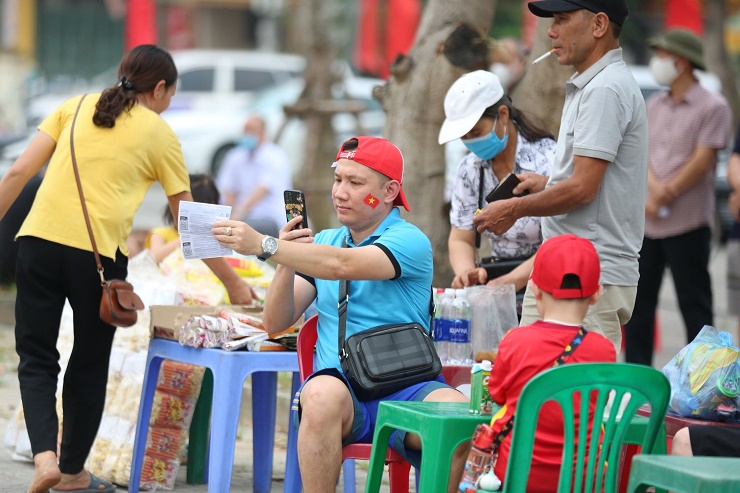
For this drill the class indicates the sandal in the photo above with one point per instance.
(94, 486)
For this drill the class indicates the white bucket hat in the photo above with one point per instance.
(466, 100)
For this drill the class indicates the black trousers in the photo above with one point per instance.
(687, 256)
(47, 274)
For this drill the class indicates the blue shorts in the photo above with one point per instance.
(363, 425)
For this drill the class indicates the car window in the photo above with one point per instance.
(252, 80)
(647, 92)
(197, 80)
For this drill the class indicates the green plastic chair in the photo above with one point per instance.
(442, 427)
(685, 474)
(644, 385)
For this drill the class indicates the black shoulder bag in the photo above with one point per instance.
(385, 359)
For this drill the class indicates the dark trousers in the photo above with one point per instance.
(687, 256)
(47, 274)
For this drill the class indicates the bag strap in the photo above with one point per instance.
(342, 306)
(79, 188)
(501, 436)
(344, 301)
(480, 205)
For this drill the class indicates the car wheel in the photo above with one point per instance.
(218, 158)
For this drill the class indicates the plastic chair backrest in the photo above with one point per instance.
(307, 337)
(636, 384)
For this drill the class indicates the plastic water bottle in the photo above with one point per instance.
(442, 328)
(460, 348)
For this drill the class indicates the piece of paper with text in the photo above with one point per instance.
(195, 220)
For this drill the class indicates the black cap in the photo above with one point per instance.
(616, 10)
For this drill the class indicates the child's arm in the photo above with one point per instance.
(159, 248)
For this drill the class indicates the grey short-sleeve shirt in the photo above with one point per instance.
(604, 117)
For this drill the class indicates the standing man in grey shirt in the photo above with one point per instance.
(599, 180)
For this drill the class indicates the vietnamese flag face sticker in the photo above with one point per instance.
(371, 201)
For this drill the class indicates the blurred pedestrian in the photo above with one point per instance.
(688, 126)
(508, 61)
(599, 179)
(501, 141)
(733, 242)
(122, 146)
(253, 177)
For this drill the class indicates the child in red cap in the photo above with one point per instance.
(565, 282)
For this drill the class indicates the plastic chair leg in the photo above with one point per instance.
(398, 473)
(264, 385)
(198, 441)
(142, 424)
(350, 478)
(293, 481)
(223, 430)
(377, 459)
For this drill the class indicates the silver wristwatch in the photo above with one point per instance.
(269, 247)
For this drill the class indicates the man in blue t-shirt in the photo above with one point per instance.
(389, 264)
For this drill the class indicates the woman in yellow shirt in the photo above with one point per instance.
(122, 147)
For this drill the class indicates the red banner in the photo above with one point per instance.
(685, 14)
(141, 23)
(386, 29)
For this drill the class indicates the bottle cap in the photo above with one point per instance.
(486, 365)
(459, 293)
(449, 291)
(483, 436)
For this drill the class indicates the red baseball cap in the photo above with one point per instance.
(563, 255)
(382, 156)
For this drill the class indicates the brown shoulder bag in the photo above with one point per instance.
(119, 303)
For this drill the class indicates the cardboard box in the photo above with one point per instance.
(167, 320)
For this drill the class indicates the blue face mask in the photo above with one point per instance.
(248, 142)
(488, 146)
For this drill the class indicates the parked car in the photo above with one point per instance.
(207, 79)
(208, 134)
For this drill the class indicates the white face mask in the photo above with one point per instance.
(664, 70)
(503, 72)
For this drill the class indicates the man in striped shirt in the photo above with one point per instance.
(687, 126)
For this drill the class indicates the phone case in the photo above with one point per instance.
(295, 205)
(505, 189)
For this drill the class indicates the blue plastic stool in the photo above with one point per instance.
(230, 369)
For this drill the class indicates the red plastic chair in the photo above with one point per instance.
(398, 468)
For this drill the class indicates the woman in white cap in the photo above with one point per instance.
(501, 141)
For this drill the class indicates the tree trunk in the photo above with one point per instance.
(540, 94)
(315, 175)
(413, 100)
(716, 56)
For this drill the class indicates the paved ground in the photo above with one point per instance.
(14, 476)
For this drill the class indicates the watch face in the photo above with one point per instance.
(270, 245)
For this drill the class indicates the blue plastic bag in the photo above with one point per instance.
(705, 378)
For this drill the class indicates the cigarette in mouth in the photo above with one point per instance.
(544, 56)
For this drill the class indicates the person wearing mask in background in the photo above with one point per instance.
(122, 147)
(508, 62)
(733, 242)
(687, 126)
(501, 141)
(598, 184)
(253, 177)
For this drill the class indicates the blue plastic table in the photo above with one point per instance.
(229, 369)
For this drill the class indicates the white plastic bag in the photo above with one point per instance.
(493, 313)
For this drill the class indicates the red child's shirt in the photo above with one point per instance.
(523, 353)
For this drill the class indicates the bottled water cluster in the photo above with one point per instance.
(452, 334)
